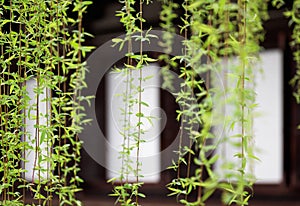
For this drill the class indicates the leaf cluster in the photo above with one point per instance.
(38, 47)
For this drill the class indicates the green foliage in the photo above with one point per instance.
(196, 104)
(37, 45)
(244, 41)
(294, 16)
(126, 191)
(220, 36)
(167, 15)
(216, 31)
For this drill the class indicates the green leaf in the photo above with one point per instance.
(139, 114)
(145, 104)
(43, 135)
(213, 159)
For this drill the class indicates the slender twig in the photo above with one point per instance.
(49, 120)
(61, 93)
(127, 123)
(242, 39)
(3, 123)
(139, 100)
(180, 154)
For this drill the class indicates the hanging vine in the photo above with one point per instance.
(167, 16)
(294, 15)
(243, 42)
(133, 120)
(196, 103)
(33, 68)
(217, 30)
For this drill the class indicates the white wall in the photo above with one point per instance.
(268, 122)
(268, 127)
(150, 161)
(30, 155)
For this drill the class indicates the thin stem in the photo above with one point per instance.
(129, 123)
(49, 118)
(2, 128)
(25, 140)
(77, 92)
(61, 94)
(38, 153)
(64, 142)
(225, 70)
(139, 101)
(2, 123)
(79, 59)
(242, 36)
(20, 99)
(126, 129)
(37, 138)
(25, 130)
(185, 90)
(6, 169)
